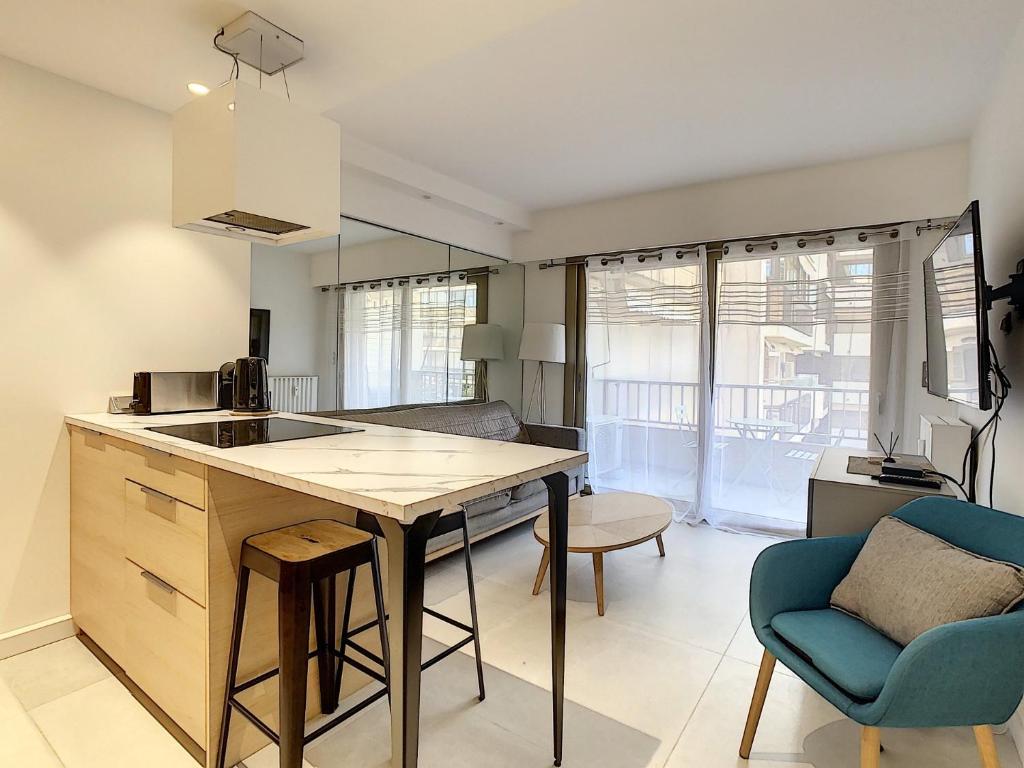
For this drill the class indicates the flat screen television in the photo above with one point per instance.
(956, 315)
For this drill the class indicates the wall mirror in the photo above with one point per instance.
(377, 318)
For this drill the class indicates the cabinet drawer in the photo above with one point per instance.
(166, 537)
(165, 649)
(173, 475)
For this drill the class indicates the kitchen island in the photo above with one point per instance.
(157, 524)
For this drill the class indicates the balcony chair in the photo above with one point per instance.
(959, 674)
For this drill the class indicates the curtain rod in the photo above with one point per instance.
(421, 278)
(619, 257)
(827, 236)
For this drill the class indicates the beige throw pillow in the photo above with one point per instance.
(906, 581)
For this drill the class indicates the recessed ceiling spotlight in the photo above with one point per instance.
(198, 89)
(499, 223)
(427, 196)
(231, 106)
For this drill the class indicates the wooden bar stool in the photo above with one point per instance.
(304, 560)
(446, 524)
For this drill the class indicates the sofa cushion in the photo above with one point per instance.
(488, 503)
(492, 421)
(906, 581)
(851, 654)
(528, 489)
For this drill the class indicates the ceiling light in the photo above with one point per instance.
(425, 196)
(198, 89)
(231, 106)
(499, 223)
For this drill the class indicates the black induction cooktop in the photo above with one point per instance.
(234, 434)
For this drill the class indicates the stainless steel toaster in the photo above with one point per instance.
(174, 392)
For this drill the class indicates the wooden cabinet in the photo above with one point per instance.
(165, 648)
(155, 543)
(138, 568)
(172, 475)
(166, 537)
(97, 538)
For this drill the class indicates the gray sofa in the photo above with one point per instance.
(493, 421)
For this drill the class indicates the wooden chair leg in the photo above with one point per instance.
(986, 746)
(542, 571)
(870, 746)
(764, 678)
(599, 581)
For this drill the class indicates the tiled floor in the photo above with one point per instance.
(662, 681)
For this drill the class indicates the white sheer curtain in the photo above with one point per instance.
(647, 347)
(374, 324)
(401, 340)
(810, 352)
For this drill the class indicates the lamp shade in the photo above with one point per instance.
(544, 342)
(482, 342)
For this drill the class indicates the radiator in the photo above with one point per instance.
(293, 394)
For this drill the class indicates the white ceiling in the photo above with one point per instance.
(548, 102)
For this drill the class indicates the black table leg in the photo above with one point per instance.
(558, 542)
(407, 549)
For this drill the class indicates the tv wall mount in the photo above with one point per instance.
(1012, 291)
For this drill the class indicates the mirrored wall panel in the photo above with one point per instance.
(378, 318)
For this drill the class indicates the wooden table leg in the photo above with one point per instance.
(599, 581)
(407, 548)
(661, 545)
(545, 558)
(558, 544)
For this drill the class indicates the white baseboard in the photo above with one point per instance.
(35, 636)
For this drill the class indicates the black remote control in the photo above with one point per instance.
(917, 482)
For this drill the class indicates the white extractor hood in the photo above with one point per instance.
(250, 165)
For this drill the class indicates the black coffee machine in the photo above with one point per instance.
(244, 386)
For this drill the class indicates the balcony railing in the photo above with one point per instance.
(804, 413)
(460, 384)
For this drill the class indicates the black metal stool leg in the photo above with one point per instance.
(293, 611)
(325, 619)
(236, 644)
(346, 618)
(472, 604)
(382, 618)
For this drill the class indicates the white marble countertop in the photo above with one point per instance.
(400, 473)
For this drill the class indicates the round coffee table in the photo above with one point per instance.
(603, 523)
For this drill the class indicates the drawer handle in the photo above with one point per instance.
(156, 494)
(157, 581)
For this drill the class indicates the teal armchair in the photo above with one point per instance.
(960, 674)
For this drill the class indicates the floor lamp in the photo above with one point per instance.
(542, 343)
(482, 342)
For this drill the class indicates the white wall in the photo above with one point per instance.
(897, 187)
(383, 188)
(96, 285)
(997, 181)
(281, 282)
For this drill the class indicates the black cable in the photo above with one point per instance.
(992, 471)
(1004, 389)
(951, 479)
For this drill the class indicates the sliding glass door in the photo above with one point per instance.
(646, 343)
(809, 352)
(792, 376)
